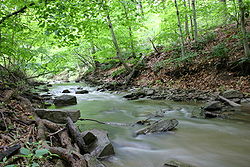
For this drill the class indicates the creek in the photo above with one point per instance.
(200, 142)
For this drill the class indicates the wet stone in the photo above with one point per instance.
(158, 126)
(65, 100)
(82, 92)
(175, 163)
(66, 91)
(230, 94)
(58, 115)
(213, 106)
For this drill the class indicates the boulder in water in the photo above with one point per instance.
(213, 106)
(101, 147)
(66, 91)
(65, 100)
(175, 163)
(158, 126)
(82, 92)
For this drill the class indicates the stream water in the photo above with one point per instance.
(200, 142)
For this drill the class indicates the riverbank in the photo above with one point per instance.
(214, 63)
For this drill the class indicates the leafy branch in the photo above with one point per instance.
(22, 10)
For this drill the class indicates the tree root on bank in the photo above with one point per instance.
(71, 146)
(74, 158)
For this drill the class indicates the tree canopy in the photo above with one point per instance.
(41, 36)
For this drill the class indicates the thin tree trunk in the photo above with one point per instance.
(130, 33)
(117, 48)
(152, 42)
(243, 29)
(191, 21)
(195, 22)
(180, 29)
(186, 22)
(141, 7)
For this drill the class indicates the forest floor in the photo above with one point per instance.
(214, 63)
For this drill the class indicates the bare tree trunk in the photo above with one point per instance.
(191, 21)
(243, 28)
(180, 29)
(186, 22)
(152, 42)
(195, 22)
(130, 32)
(118, 51)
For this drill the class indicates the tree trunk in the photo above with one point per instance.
(243, 28)
(118, 51)
(180, 29)
(152, 42)
(141, 7)
(194, 19)
(130, 32)
(191, 21)
(186, 22)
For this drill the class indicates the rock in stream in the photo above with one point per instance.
(65, 100)
(158, 126)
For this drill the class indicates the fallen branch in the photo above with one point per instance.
(22, 10)
(60, 130)
(104, 123)
(94, 120)
(231, 103)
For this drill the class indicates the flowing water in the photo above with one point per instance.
(200, 142)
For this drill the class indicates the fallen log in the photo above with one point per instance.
(231, 103)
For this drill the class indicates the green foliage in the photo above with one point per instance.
(203, 40)
(219, 51)
(45, 36)
(178, 61)
(109, 65)
(34, 155)
(118, 72)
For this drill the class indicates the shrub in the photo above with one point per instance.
(220, 51)
(118, 72)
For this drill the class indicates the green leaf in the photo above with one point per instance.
(41, 152)
(25, 151)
